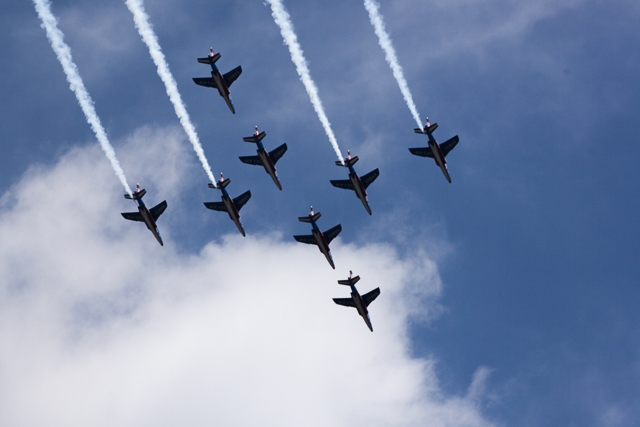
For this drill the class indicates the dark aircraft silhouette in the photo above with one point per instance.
(355, 182)
(319, 238)
(229, 205)
(359, 302)
(436, 151)
(264, 158)
(149, 217)
(217, 80)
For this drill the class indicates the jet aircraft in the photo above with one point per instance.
(229, 205)
(355, 182)
(319, 238)
(264, 158)
(436, 151)
(149, 217)
(359, 302)
(217, 80)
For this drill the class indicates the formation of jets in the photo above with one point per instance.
(268, 160)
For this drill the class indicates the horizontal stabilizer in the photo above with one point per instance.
(133, 216)
(276, 153)
(429, 130)
(232, 75)
(215, 206)
(449, 144)
(332, 233)
(242, 199)
(210, 59)
(369, 178)
(220, 184)
(354, 280)
(251, 160)
(370, 296)
(157, 210)
(137, 195)
(422, 152)
(314, 218)
(342, 183)
(308, 239)
(348, 162)
(252, 138)
(205, 81)
(347, 302)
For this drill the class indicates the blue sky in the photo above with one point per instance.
(509, 297)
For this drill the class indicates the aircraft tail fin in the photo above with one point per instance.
(252, 138)
(137, 195)
(210, 59)
(348, 162)
(220, 184)
(314, 218)
(354, 280)
(430, 129)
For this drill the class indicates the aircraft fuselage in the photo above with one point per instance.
(268, 164)
(361, 193)
(231, 210)
(222, 87)
(360, 306)
(437, 155)
(323, 246)
(148, 220)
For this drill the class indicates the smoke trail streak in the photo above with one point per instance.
(390, 54)
(282, 18)
(149, 37)
(63, 52)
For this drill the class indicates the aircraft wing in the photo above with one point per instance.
(342, 183)
(369, 178)
(232, 75)
(276, 153)
(157, 210)
(216, 206)
(449, 144)
(205, 81)
(347, 302)
(332, 233)
(242, 199)
(422, 151)
(308, 239)
(133, 216)
(251, 160)
(370, 296)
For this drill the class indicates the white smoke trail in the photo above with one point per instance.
(282, 18)
(141, 20)
(63, 52)
(390, 54)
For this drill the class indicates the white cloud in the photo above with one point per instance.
(99, 325)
